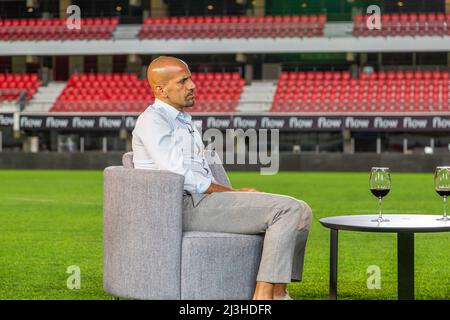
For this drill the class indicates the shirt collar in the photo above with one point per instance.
(171, 111)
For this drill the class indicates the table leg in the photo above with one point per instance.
(333, 263)
(405, 265)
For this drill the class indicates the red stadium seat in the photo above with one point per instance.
(217, 92)
(232, 27)
(13, 85)
(391, 91)
(412, 24)
(55, 29)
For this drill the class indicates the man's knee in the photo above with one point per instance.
(307, 213)
(305, 208)
(303, 214)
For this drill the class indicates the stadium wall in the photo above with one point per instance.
(394, 122)
(227, 46)
(361, 162)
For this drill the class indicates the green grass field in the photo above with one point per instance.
(50, 220)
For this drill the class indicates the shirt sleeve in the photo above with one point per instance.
(205, 159)
(160, 144)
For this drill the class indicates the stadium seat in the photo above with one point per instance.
(56, 29)
(13, 85)
(215, 92)
(404, 24)
(233, 27)
(391, 91)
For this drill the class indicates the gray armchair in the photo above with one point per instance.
(146, 255)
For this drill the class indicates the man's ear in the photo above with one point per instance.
(161, 91)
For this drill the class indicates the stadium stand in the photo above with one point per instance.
(56, 29)
(13, 85)
(405, 24)
(103, 93)
(215, 92)
(390, 91)
(233, 27)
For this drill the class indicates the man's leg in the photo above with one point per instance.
(280, 290)
(264, 291)
(283, 219)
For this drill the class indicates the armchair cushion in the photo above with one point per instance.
(219, 266)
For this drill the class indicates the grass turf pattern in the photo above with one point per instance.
(50, 220)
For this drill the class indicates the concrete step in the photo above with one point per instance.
(254, 107)
(266, 95)
(338, 29)
(126, 32)
(8, 106)
(45, 97)
(257, 97)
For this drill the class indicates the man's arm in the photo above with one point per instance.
(215, 187)
(160, 144)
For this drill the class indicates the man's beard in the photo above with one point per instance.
(190, 102)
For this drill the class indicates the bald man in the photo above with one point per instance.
(164, 138)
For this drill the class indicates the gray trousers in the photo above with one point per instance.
(284, 220)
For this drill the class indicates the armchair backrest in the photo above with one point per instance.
(217, 169)
(127, 160)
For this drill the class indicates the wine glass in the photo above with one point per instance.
(442, 186)
(380, 185)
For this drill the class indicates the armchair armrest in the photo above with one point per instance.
(142, 232)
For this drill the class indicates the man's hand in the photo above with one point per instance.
(246, 190)
(215, 187)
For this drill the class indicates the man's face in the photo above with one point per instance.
(180, 89)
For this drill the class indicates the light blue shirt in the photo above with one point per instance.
(165, 139)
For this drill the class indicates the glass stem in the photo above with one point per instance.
(380, 215)
(445, 207)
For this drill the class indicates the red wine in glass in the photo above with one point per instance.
(442, 186)
(380, 192)
(443, 193)
(380, 185)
